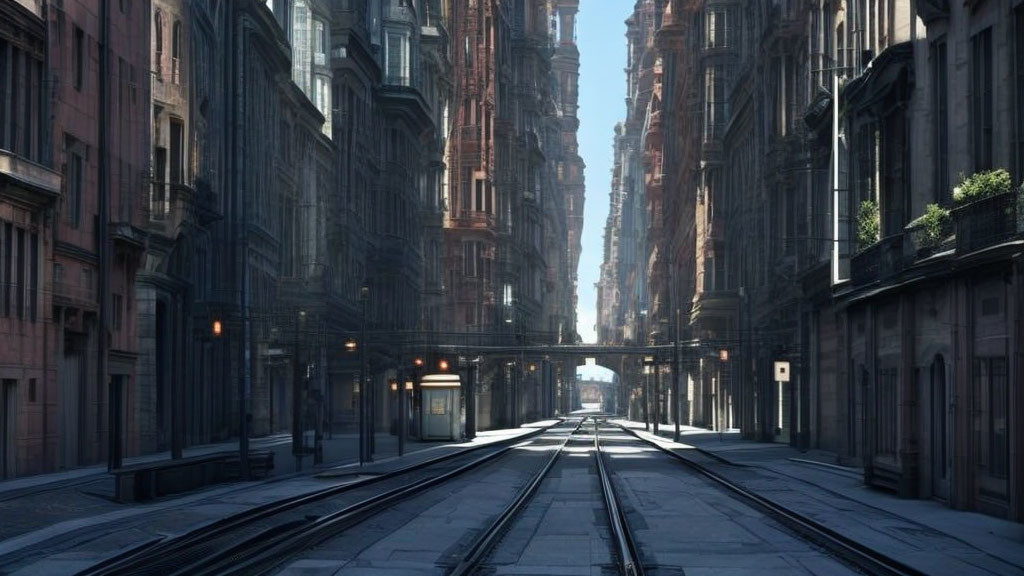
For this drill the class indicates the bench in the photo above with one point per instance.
(142, 482)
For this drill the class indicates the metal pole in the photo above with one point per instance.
(474, 371)
(675, 379)
(363, 388)
(647, 398)
(403, 427)
(657, 398)
(296, 398)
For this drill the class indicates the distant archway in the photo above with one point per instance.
(597, 389)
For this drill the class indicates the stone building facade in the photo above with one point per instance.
(514, 181)
(99, 133)
(30, 189)
(902, 347)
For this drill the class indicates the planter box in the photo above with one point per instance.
(986, 222)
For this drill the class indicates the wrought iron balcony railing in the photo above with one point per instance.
(879, 261)
(985, 222)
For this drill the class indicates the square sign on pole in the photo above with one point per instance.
(781, 371)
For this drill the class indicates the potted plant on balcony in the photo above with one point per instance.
(868, 224)
(929, 230)
(981, 185)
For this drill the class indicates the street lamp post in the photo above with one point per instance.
(364, 446)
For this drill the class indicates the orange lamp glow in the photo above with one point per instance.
(443, 365)
(218, 328)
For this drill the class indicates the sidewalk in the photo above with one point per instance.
(924, 534)
(84, 496)
(84, 512)
(339, 449)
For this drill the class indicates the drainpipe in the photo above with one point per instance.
(242, 246)
(113, 396)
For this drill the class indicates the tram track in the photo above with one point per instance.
(257, 540)
(484, 544)
(626, 546)
(623, 545)
(850, 551)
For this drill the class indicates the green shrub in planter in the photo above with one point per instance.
(868, 224)
(982, 185)
(932, 227)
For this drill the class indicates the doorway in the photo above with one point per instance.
(72, 404)
(8, 427)
(939, 430)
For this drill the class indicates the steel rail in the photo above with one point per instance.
(861, 556)
(483, 545)
(266, 551)
(154, 554)
(629, 553)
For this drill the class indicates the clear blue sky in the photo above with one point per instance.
(601, 37)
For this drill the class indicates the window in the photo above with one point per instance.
(133, 85)
(177, 156)
(158, 34)
(981, 99)
(473, 259)
(397, 57)
(320, 42)
(940, 98)
(122, 81)
(116, 305)
(74, 174)
(19, 286)
(176, 52)
(716, 33)
(78, 57)
(715, 101)
(33, 278)
(1019, 49)
(5, 81)
(8, 267)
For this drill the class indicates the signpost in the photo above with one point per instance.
(781, 378)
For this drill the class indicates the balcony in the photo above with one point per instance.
(74, 295)
(165, 84)
(169, 204)
(877, 262)
(31, 183)
(986, 222)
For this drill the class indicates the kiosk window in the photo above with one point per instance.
(439, 405)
